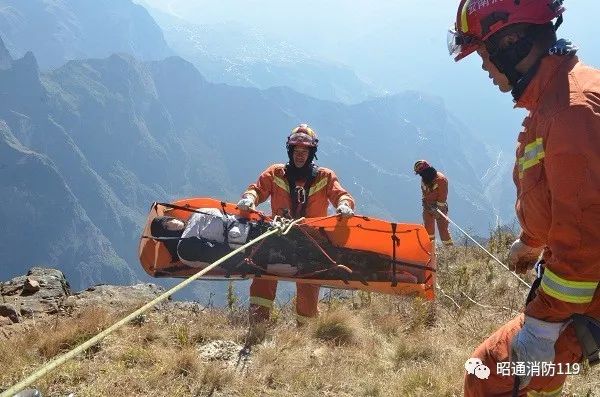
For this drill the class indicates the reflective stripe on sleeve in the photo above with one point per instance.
(532, 155)
(566, 290)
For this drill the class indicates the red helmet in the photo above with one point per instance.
(421, 165)
(477, 20)
(302, 135)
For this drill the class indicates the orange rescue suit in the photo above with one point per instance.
(325, 188)
(436, 196)
(557, 174)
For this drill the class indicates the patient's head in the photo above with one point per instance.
(167, 226)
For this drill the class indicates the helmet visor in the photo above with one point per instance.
(302, 139)
(460, 44)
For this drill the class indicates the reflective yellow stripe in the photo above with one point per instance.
(255, 300)
(566, 290)
(303, 319)
(317, 186)
(532, 155)
(552, 393)
(281, 183)
(442, 203)
(448, 243)
(464, 23)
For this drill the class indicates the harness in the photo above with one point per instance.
(299, 194)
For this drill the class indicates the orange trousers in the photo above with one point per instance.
(262, 295)
(429, 221)
(496, 350)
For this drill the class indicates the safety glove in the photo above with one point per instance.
(246, 203)
(522, 257)
(533, 345)
(345, 210)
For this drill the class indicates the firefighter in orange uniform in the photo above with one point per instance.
(434, 186)
(298, 188)
(557, 174)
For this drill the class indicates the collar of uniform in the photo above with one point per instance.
(549, 67)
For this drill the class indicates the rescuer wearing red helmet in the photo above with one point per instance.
(298, 188)
(434, 187)
(557, 175)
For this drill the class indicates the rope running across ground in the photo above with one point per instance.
(280, 226)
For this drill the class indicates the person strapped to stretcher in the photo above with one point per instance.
(210, 234)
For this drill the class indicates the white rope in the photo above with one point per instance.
(483, 248)
(281, 226)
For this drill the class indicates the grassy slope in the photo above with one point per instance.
(363, 345)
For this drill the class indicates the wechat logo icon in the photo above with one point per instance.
(474, 366)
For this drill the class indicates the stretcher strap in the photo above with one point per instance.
(395, 241)
(185, 208)
(311, 238)
(263, 217)
(248, 261)
(345, 270)
(227, 226)
(336, 267)
(371, 229)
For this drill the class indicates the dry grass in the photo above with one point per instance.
(338, 327)
(66, 335)
(367, 345)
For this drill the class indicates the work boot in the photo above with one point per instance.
(258, 314)
(256, 333)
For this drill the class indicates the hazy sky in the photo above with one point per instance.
(397, 44)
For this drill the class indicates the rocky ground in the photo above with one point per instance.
(361, 345)
(43, 295)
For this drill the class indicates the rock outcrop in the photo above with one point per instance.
(30, 300)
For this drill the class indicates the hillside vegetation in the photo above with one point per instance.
(361, 345)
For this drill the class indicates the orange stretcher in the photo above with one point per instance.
(360, 253)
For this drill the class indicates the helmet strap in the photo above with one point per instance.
(521, 85)
(507, 59)
(558, 22)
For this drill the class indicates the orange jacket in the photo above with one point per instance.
(325, 188)
(438, 193)
(557, 174)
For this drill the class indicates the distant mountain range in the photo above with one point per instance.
(237, 55)
(57, 31)
(88, 146)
